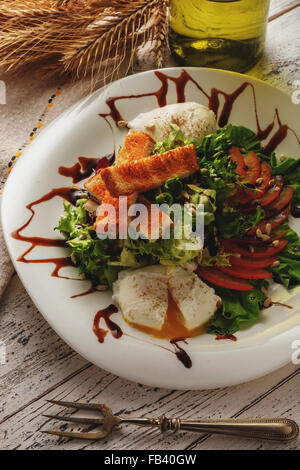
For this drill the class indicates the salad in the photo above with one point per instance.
(247, 198)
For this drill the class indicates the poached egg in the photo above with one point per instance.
(195, 120)
(142, 296)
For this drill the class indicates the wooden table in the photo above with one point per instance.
(41, 366)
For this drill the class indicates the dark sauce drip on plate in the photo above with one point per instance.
(231, 337)
(117, 333)
(106, 313)
(86, 167)
(180, 353)
(70, 195)
(91, 290)
(279, 304)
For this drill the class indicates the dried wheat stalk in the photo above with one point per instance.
(92, 38)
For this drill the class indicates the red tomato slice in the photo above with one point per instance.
(253, 171)
(252, 263)
(271, 194)
(263, 195)
(281, 202)
(266, 174)
(247, 196)
(258, 241)
(236, 156)
(258, 252)
(245, 273)
(216, 277)
(274, 221)
(253, 167)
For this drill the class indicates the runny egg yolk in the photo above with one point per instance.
(173, 326)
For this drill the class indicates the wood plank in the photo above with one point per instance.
(125, 398)
(37, 359)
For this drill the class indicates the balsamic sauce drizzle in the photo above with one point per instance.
(85, 167)
(68, 194)
(180, 353)
(117, 333)
(106, 313)
(231, 337)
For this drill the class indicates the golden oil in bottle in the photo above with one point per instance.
(227, 34)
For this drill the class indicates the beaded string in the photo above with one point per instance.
(32, 135)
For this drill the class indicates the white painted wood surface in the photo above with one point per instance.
(40, 366)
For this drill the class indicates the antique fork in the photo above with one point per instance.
(279, 429)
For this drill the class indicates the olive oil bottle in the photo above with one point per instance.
(227, 34)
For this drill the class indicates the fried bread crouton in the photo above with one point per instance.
(137, 145)
(106, 219)
(150, 172)
(96, 187)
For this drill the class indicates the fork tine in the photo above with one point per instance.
(73, 404)
(76, 435)
(75, 419)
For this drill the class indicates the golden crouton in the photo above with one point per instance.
(106, 219)
(136, 145)
(96, 187)
(150, 172)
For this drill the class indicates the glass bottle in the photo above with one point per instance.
(227, 34)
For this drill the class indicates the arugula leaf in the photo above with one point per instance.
(232, 223)
(218, 144)
(283, 167)
(290, 169)
(217, 169)
(288, 271)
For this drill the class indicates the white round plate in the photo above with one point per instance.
(260, 349)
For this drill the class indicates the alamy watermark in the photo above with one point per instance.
(2, 92)
(296, 352)
(2, 353)
(152, 221)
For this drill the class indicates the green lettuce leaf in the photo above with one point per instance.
(237, 308)
(233, 224)
(175, 139)
(290, 169)
(88, 253)
(167, 252)
(218, 144)
(288, 271)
